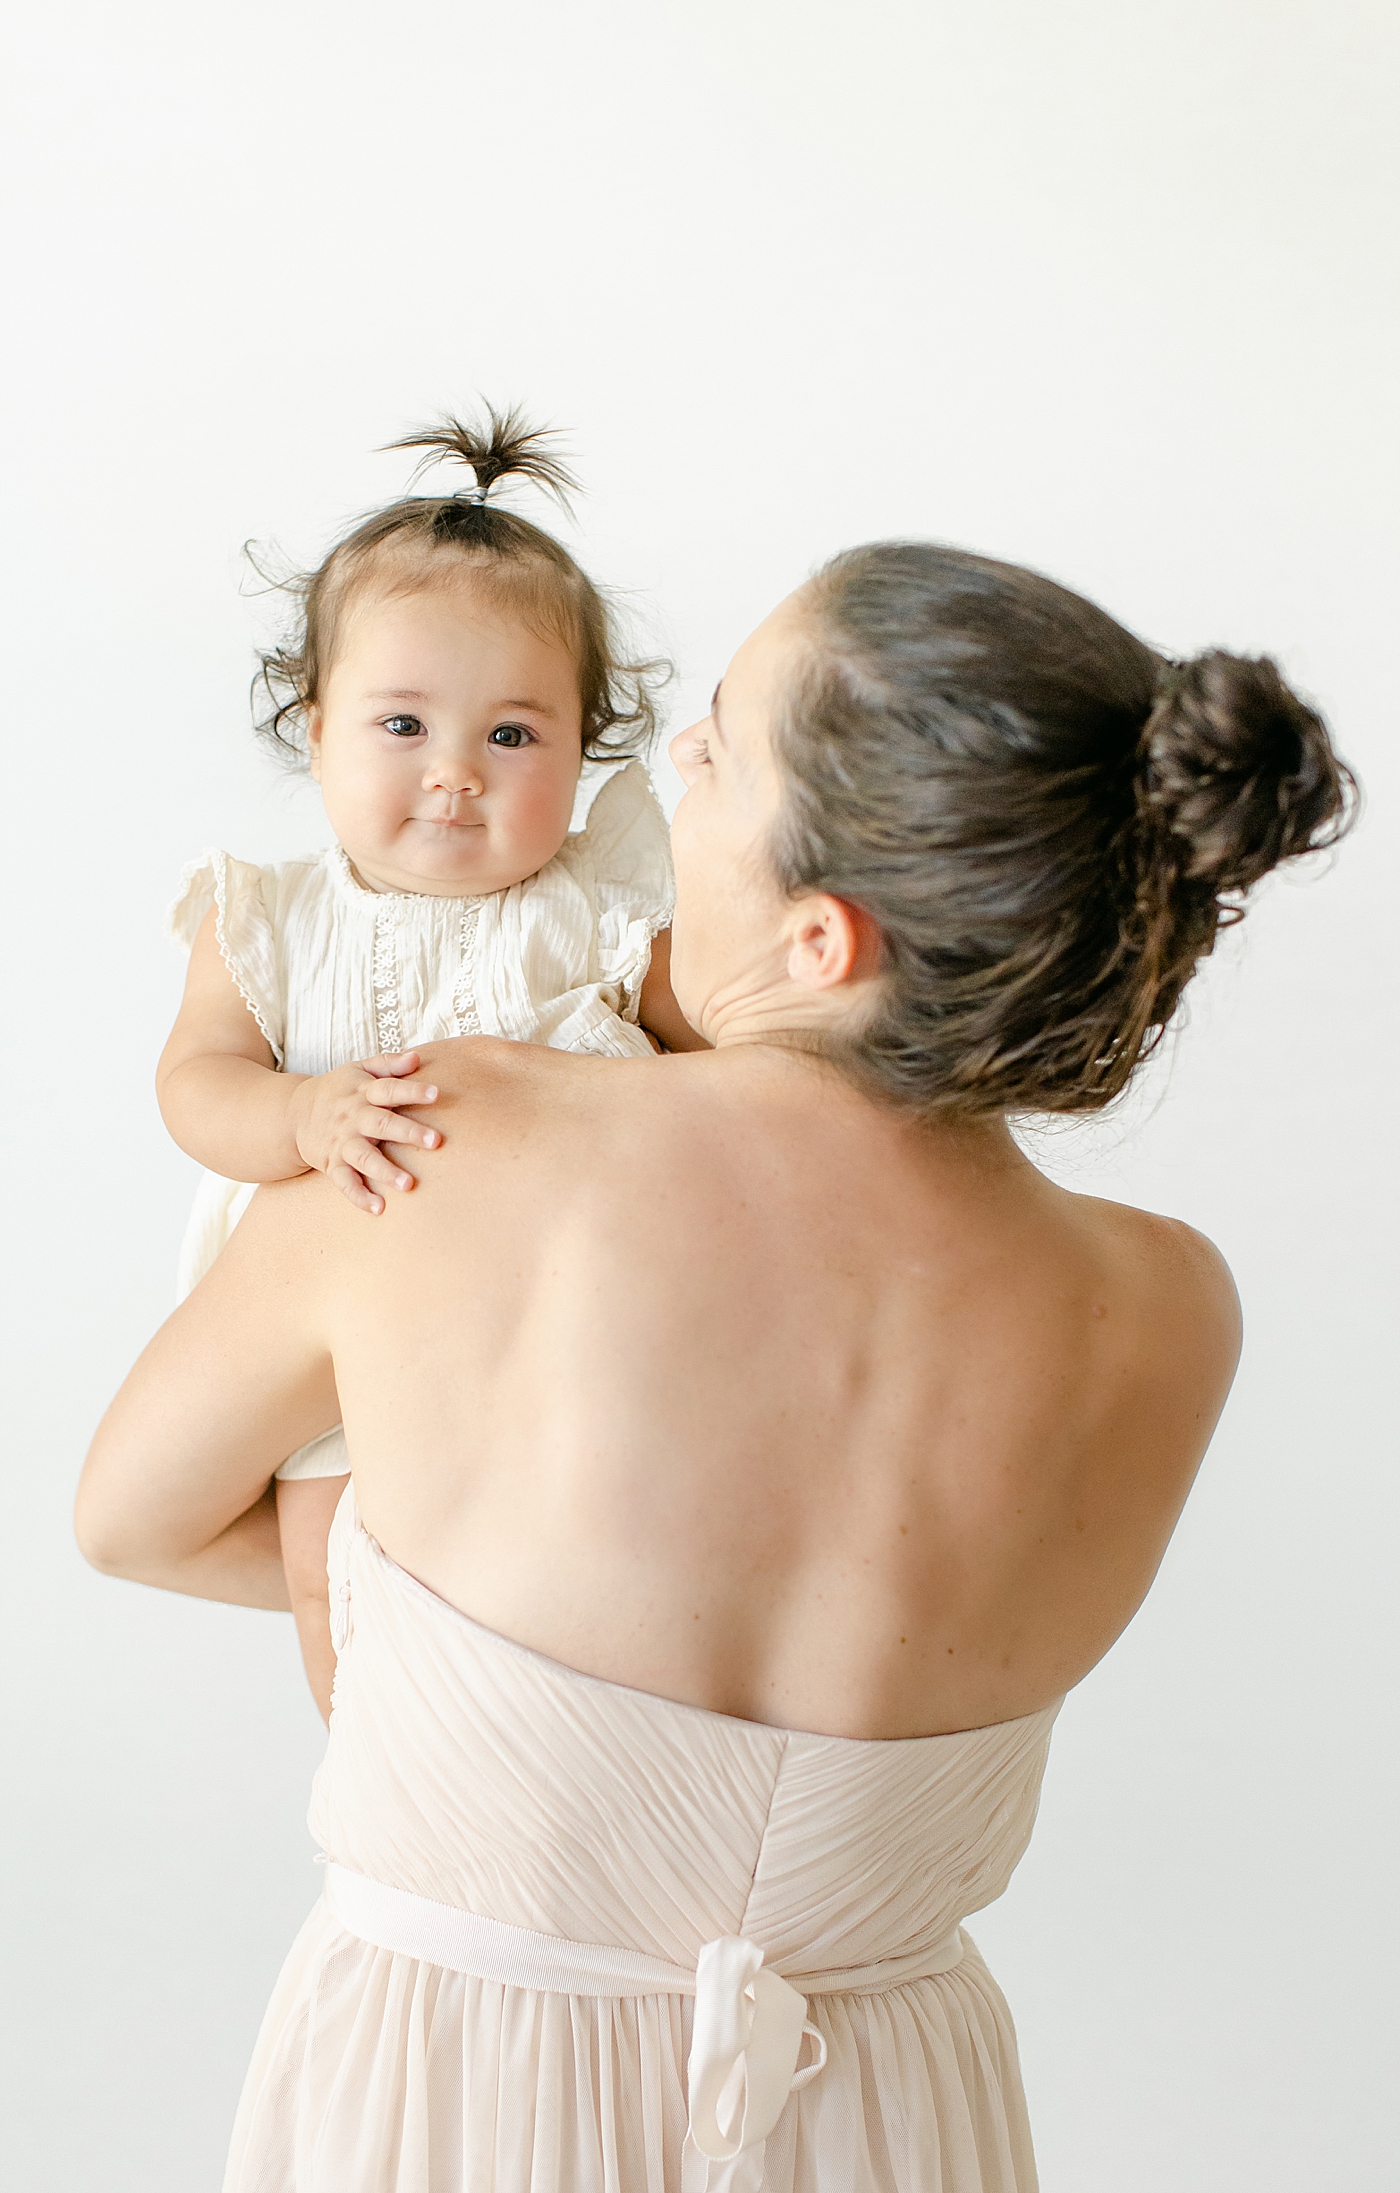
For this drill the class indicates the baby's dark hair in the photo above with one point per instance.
(423, 540)
(1048, 821)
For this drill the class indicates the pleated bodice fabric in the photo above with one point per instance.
(476, 1773)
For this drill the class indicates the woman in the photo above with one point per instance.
(750, 1449)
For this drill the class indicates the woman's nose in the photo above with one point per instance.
(682, 751)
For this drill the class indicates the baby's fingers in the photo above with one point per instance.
(378, 1170)
(353, 1189)
(399, 1092)
(396, 1063)
(390, 1127)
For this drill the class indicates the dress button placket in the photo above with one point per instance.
(464, 1011)
(388, 1017)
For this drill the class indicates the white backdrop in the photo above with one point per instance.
(1109, 289)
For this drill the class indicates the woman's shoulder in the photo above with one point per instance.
(498, 1076)
(1168, 1288)
(1172, 1256)
(577, 1114)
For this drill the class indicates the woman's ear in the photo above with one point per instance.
(831, 942)
(313, 741)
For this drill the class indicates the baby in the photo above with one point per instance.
(453, 671)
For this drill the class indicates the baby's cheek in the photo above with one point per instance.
(541, 809)
(362, 810)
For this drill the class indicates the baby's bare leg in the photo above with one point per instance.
(305, 1506)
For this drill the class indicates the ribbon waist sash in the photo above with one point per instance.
(749, 2023)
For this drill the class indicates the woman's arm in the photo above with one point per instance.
(175, 1491)
(657, 1009)
(242, 1565)
(226, 1104)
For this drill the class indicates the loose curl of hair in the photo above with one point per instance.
(429, 540)
(1048, 821)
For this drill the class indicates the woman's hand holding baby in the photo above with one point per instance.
(340, 1120)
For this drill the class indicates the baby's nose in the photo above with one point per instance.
(458, 778)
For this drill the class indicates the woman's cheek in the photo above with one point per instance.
(692, 922)
(682, 835)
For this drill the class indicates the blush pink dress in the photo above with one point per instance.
(580, 1939)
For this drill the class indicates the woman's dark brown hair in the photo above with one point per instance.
(1048, 821)
(428, 540)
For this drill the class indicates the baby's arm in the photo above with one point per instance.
(658, 1011)
(225, 1103)
(305, 1506)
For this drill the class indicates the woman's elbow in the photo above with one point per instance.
(102, 1542)
(170, 1097)
(109, 1539)
(102, 1551)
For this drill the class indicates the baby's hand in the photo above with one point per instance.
(339, 1120)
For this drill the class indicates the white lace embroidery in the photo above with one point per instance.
(388, 1020)
(464, 1010)
(182, 922)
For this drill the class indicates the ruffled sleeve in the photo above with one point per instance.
(625, 847)
(244, 929)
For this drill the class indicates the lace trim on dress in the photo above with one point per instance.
(388, 1017)
(464, 1010)
(219, 866)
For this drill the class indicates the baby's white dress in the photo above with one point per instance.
(332, 971)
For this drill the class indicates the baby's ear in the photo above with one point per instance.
(313, 739)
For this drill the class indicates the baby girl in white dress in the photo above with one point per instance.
(454, 671)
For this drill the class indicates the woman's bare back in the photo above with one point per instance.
(744, 1392)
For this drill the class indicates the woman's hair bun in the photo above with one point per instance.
(506, 445)
(1049, 823)
(1236, 773)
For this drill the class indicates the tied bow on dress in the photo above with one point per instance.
(746, 2038)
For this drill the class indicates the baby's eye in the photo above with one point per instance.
(402, 727)
(511, 734)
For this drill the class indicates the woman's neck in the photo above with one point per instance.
(785, 1014)
(794, 1066)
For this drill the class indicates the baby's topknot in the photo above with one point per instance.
(522, 570)
(508, 445)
